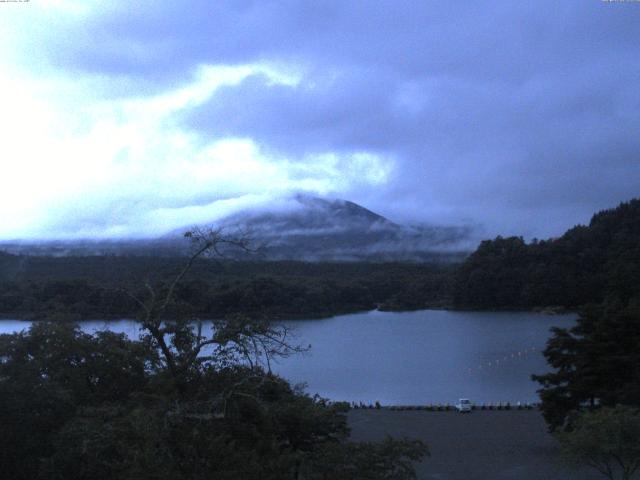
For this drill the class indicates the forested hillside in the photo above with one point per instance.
(588, 264)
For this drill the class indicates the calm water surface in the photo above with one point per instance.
(428, 356)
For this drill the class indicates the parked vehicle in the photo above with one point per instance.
(463, 405)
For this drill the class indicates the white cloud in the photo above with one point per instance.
(503, 113)
(77, 165)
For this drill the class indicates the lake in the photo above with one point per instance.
(409, 358)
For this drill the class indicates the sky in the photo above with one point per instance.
(131, 119)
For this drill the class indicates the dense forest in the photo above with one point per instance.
(74, 288)
(588, 264)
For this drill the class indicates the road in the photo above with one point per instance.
(481, 445)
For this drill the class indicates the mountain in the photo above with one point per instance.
(317, 229)
(302, 227)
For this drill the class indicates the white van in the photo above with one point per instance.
(463, 405)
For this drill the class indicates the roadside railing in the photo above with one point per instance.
(445, 407)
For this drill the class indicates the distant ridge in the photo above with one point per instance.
(303, 227)
(318, 229)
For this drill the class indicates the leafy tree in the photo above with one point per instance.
(186, 353)
(595, 363)
(181, 403)
(47, 374)
(390, 459)
(607, 440)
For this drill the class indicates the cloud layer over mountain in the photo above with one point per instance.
(125, 119)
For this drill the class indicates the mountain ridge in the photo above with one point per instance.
(320, 229)
(304, 228)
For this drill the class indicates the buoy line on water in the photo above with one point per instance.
(447, 407)
(504, 360)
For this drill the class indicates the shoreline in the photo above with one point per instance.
(547, 311)
(448, 407)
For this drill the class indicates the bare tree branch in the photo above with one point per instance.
(180, 346)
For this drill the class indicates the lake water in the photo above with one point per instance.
(409, 358)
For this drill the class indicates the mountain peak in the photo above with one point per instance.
(301, 227)
(312, 228)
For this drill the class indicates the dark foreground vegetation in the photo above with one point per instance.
(175, 404)
(76, 406)
(596, 363)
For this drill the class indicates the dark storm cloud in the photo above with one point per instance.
(520, 116)
(482, 41)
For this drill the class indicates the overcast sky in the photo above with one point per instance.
(136, 117)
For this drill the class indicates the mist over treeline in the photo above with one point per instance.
(302, 227)
(588, 264)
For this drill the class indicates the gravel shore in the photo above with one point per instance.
(481, 445)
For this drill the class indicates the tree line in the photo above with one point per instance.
(76, 288)
(586, 265)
